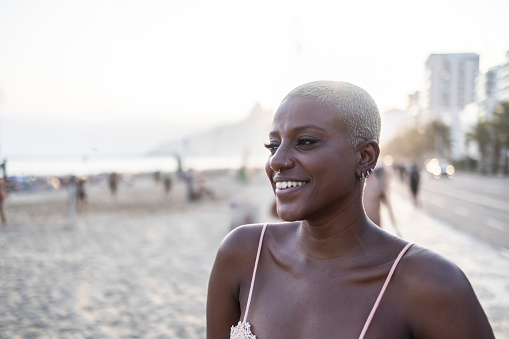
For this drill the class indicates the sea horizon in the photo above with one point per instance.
(65, 165)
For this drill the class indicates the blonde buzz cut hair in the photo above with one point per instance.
(352, 104)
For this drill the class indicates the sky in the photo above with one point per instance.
(123, 76)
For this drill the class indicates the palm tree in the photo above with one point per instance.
(501, 129)
(481, 134)
(438, 136)
(414, 145)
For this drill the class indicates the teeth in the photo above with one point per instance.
(287, 184)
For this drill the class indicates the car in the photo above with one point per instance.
(440, 168)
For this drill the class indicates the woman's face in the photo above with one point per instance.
(319, 179)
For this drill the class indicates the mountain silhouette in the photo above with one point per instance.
(243, 140)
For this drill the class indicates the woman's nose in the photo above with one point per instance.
(279, 159)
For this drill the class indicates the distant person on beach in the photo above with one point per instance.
(167, 184)
(81, 194)
(414, 184)
(189, 179)
(3, 197)
(376, 193)
(157, 176)
(113, 184)
(71, 187)
(329, 271)
(203, 189)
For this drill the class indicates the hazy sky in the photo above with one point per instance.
(123, 76)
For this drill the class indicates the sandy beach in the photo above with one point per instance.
(138, 266)
(132, 267)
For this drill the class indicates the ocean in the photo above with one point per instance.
(97, 164)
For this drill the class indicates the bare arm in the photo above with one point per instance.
(232, 269)
(442, 301)
(223, 308)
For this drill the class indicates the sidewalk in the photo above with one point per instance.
(486, 267)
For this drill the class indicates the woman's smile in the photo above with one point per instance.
(286, 188)
(289, 184)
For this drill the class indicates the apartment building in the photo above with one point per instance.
(450, 86)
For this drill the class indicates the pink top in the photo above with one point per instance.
(243, 328)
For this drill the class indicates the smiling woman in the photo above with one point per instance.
(328, 271)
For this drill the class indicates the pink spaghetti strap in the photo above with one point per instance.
(387, 280)
(254, 271)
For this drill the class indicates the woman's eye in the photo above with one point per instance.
(306, 141)
(272, 147)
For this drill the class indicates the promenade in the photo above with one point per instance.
(486, 267)
(137, 266)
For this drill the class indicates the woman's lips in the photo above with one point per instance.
(284, 188)
(288, 184)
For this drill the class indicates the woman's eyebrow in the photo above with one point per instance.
(309, 126)
(299, 129)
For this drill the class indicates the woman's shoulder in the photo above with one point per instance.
(426, 269)
(242, 242)
(438, 296)
(241, 238)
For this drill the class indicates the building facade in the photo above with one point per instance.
(450, 86)
(503, 80)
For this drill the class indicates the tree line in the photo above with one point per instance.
(433, 140)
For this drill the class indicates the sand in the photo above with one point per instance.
(138, 266)
(134, 267)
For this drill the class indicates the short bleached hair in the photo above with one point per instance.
(353, 105)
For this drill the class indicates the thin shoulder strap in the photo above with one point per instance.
(254, 271)
(384, 287)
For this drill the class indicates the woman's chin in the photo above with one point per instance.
(288, 216)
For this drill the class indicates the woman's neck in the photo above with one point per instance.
(339, 237)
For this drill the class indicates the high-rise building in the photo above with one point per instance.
(488, 92)
(450, 85)
(503, 78)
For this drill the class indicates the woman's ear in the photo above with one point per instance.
(369, 152)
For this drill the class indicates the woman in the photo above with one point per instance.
(326, 272)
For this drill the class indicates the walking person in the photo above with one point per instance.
(328, 271)
(3, 197)
(376, 193)
(167, 184)
(81, 194)
(414, 184)
(113, 184)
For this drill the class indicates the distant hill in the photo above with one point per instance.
(242, 140)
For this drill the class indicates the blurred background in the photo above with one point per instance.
(131, 142)
(86, 79)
